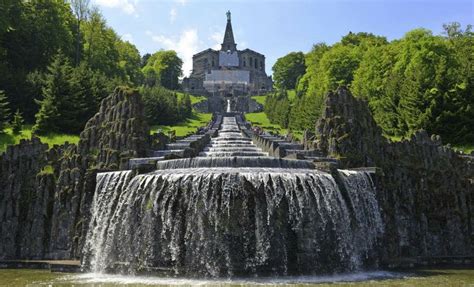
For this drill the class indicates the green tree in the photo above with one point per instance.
(80, 9)
(88, 88)
(104, 51)
(36, 31)
(312, 65)
(363, 40)
(129, 62)
(144, 60)
(421, 81)
(185, 106)
(100, 50)
(288, 69)
(4, 112)
(454, 118)
(161, 105)
(150, 78)
(375, 82)
(328, 68)
(5, 27)
(17, 123)
(166, 67)
(277, 108)
(58, 101)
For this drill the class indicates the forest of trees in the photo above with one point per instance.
(59, 59)
(421, 81)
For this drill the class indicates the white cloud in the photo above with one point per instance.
(173, 14)
(127, 6)
(186, 45)
(127, 37)
(216, 39)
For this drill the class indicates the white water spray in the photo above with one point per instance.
(233, 215)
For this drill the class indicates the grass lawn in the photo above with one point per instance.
(187, 127)
(260, 99)
(197, 99)
(261, 120)
(8, 138)
(194, 99)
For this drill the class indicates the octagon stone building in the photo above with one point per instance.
(228, 74)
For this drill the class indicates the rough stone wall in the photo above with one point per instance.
(45, 195)
(23, 203)
(348, 131)
(425, 189)
(117, 132)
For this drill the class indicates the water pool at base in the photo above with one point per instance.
(444, 277)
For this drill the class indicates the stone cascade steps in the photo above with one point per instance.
(182, 148)
(231, 142)
(230, 136)
(306, 153)
(186, 147)
(279, 147)
(232, 149)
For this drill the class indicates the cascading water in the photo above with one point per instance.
(231, 142)
(227, 220)
(228, 110)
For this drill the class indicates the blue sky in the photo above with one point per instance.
(271, 27)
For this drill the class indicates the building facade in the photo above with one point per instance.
(228, 72)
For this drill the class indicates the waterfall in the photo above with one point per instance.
(234, 221)
(235, 161)
(228, 110)
(221, 215)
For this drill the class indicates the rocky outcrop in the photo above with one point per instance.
(348, 131)
(117, 132)
(425, 189)
(45, 194)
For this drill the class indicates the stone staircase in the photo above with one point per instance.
(230, 135)
(230, 141)
(189, 146)
(277, 146)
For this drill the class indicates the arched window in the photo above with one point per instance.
(251, 62)
(256, 63)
